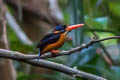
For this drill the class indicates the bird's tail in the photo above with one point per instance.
(39, 54)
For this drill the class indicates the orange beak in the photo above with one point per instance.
(69, 28)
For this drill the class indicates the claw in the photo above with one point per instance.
(39, 54)
(55, 52)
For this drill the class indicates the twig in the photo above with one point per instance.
(101, 45)
(3, 31)
(104, 50)
(47, 64)
(102, 30)
(21, 56)
(5, 40)
(108, 56)
(68, 52)
(51, 65)
(79, 48)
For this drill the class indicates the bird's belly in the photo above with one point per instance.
(56, 45)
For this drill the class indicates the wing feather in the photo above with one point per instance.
(48, 39)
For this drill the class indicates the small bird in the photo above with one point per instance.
(52, 41)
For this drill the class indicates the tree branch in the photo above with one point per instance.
(31, 59)
(21, 56)
(47, 64)
(108, 56)
(68, 52)
(102, 30)
(79, 48)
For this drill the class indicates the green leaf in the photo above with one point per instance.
(114, 8)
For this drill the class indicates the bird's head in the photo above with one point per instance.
(60, 29)
(66, 28)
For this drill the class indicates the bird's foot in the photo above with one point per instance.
(55, 52)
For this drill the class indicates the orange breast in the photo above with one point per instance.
(56, 45)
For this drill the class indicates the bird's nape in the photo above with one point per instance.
(61, 28)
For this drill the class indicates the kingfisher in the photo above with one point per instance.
(54, 40)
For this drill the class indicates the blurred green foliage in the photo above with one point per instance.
(23, 76)
(102, 15)
(16, 45)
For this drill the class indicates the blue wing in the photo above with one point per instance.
(48, 39)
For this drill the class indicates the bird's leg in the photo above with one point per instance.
(39, 54)
(55, 52)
